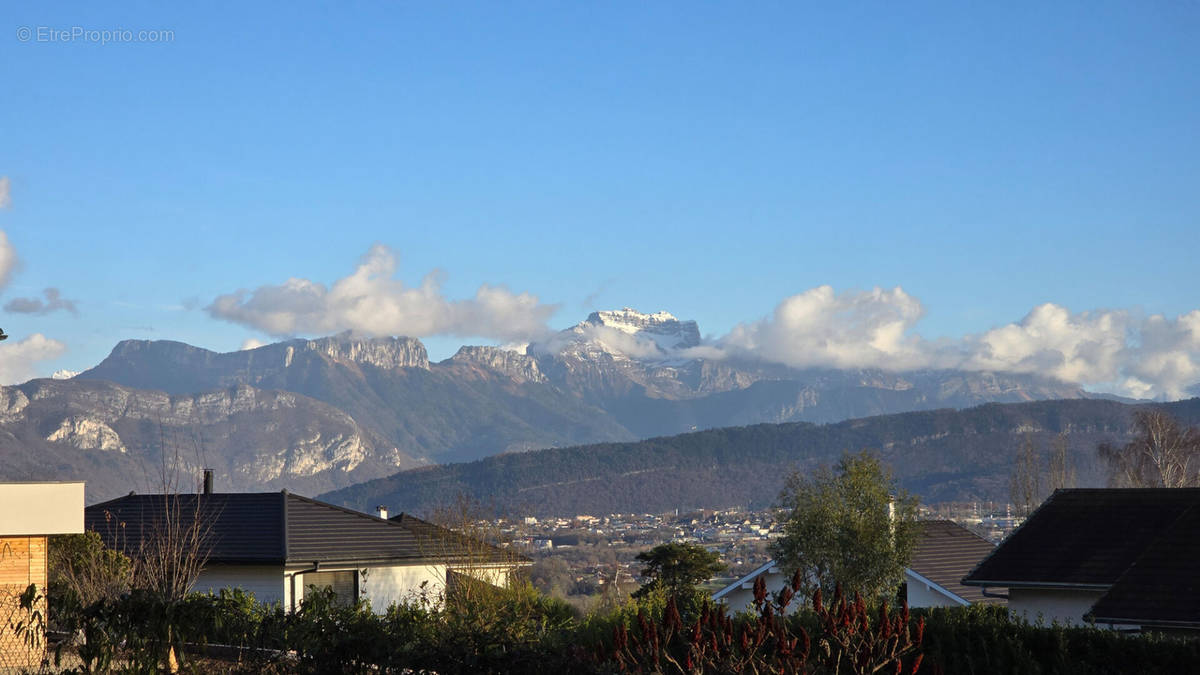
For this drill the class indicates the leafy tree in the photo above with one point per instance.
(552, 576)
(1161, 454)
(80, 564)
(848, 525)
(677, 567)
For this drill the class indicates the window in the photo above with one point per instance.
(344, 584)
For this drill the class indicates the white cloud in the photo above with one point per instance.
(5, 192)
(1106, 350)
(251, 343)
(1086, 347)
(1166, 358)
(1111, 350)
(371, 301)
(17, 359)
(821, 328)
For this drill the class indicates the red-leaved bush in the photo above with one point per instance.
(847, 639)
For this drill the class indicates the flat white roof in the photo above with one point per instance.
(31, 509)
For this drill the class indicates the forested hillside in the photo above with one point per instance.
(941, 455)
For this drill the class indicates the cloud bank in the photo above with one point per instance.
(1119, 351)
(371, 301)
(5, 192)
(54, 302)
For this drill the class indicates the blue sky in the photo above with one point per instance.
(712, 160)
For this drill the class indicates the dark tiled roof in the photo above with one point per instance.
(946, 552)
(446, 544)
(1162, 587)
(242, 528)
(1084, 537)
(277, 527)
(324, 532)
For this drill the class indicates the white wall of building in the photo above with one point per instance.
(496, 575)
(266, 582)
(385, 586)
(922, 593)
(1063, 606)
(742, 599)
(34, 509)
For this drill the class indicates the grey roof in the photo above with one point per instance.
(446, 544)
(277, 528)
(1084, 537)
(946, 552)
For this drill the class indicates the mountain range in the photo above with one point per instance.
(330, 412)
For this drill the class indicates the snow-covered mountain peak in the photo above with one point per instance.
(663, 328)
(626, 333)
(630, 320)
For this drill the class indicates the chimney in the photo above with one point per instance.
(208, 481)
(382, 510)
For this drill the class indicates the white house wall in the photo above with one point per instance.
(38, 509)
(1062, 606)
(922, 592)
(385, 586)
(266, 582)
(495, 575)
(922, 595)
(742, 599)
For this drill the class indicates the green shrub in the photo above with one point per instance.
(987, 639)
(519, 630)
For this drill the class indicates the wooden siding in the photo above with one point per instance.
(22, 562)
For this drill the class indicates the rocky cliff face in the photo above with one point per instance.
(385, 352)
(520, 367)
(118, 439)
(175, 367)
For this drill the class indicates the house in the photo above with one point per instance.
(944, 552)
(739, 595)
(28, 513)
(1125, 558)
(277, 544)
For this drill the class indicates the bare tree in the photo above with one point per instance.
(1161, 454)
(1024, 486)
(1060, 472)
(174, 548)
(463, 536)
